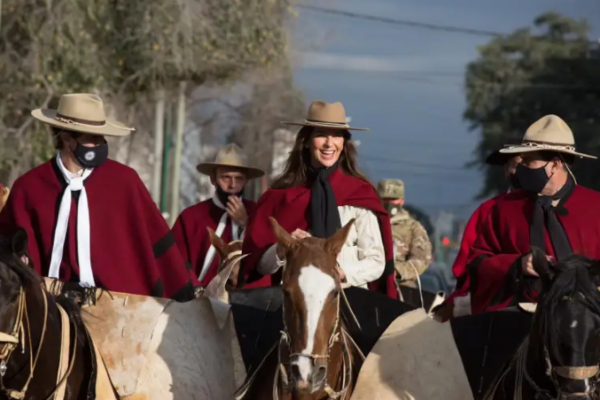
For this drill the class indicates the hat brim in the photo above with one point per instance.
(208, 169)
(317, 125)
(531, 149)
(110, 128)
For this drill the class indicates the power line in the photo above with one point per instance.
(445, 167)
(417, 24)
(430, 80)
(393, 21)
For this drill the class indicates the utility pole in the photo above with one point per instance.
(178, 150)
(159, 128)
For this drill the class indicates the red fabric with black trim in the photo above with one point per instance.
(192, 237)
(504, 238)
(459, 267)
(132, 248)
(290, 207)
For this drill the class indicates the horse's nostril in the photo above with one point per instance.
(319, 374)
(295, 372)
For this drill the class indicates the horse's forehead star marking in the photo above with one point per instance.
(315, 286)
(574, 324)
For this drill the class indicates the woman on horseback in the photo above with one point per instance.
(319, 191)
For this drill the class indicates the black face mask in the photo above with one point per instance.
(223, 196)
(91, 157)
(532, 179)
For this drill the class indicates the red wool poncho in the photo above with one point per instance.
(192, 237)
(132, 248)
(472, 229)
(290, 208)
(504, 238)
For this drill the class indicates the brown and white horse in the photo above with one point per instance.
(315, 358)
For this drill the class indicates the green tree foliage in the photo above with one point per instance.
(517, 79)
(120, 49)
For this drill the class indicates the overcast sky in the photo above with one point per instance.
(405, 83)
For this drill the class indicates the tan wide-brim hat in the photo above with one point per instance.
(326, 115)
(83, 113)
(231, 156)
(549, 133)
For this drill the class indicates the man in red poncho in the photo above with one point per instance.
(459, 302)
(226, 212)
(551, 212)
(90, 220)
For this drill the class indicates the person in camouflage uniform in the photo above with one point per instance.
(412, 248)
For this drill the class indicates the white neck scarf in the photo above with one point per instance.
(86, 276)
(220, 229)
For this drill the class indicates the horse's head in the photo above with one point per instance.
(311, 288)
(227, 253)
(567, 323)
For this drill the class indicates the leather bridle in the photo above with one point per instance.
(282, 375)
(9, 342)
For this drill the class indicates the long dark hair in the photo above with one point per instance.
(295, 172)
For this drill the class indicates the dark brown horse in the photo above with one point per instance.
(315, 358)
(38, 361)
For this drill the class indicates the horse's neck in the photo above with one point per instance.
(35, 333)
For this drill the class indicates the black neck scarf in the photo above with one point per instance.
(544, 214)
(324, 214)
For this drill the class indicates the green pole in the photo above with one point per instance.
(164, 182)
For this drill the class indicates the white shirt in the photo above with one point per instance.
(362, 258)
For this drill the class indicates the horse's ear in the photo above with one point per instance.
(541, 265)
(19, 242)
(283, 237)
(594, 270)
(336, 241)
(216, 241)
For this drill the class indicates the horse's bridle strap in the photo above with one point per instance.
(577, 373)
(6, 338)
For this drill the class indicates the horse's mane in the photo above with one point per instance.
(28, 277)
(574, 275)
(32, 282)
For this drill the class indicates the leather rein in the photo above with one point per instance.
(9, 342)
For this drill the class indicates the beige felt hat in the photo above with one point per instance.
(326, 115)
(230, 155)
(549, 133)
(83, 113)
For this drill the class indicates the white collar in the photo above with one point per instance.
(86, 276)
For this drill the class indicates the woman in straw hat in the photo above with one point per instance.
(89, 219)
(319, 191)
(226, 213)
(551, 212)
(459, 302)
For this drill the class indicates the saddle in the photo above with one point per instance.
(156, 348)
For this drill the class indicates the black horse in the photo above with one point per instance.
(36, 359)
(560, 357)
